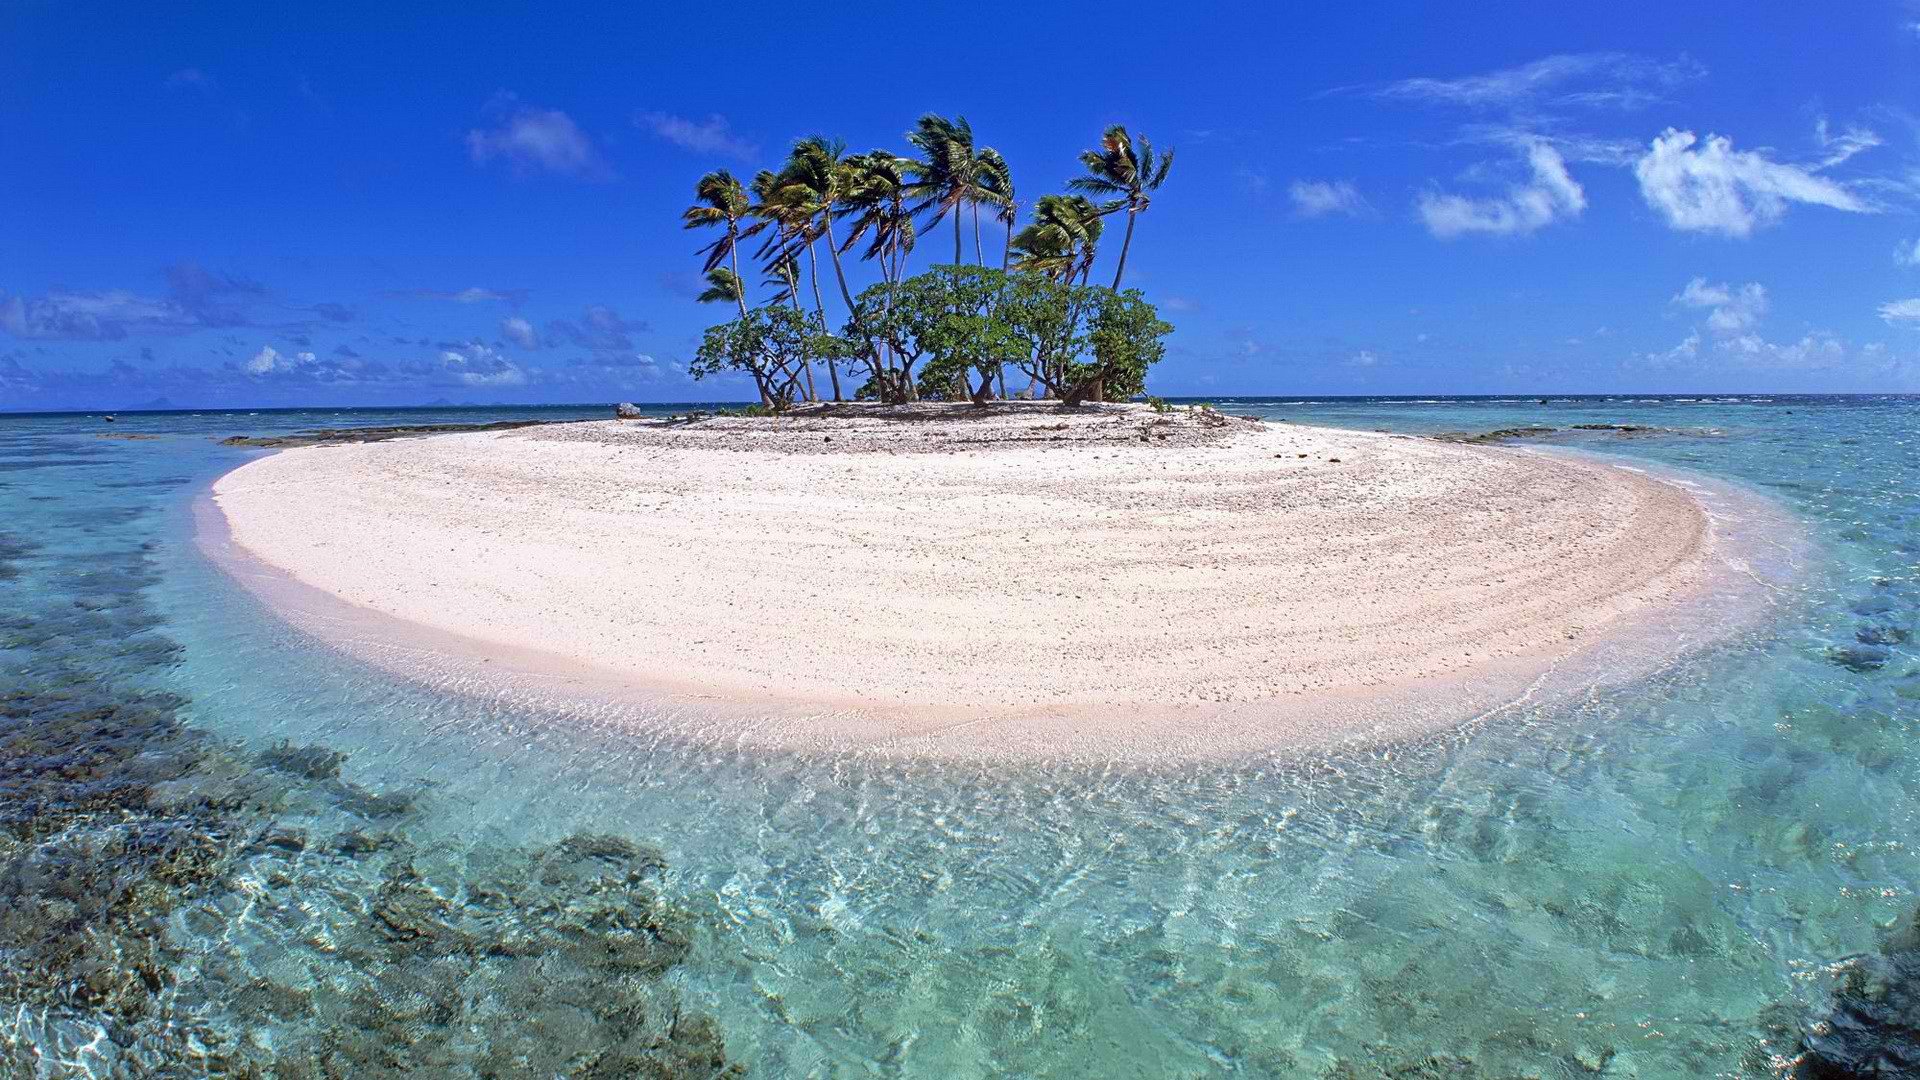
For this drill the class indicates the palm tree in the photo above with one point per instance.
(877, 199)
(1128, 174)
(720, 201)
(952, 175)
(1062, 239)
(722, 284)
(817, 176)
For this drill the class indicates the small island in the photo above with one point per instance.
(1018, 578)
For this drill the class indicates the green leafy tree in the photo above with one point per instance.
(954, 316)
(771, 343)
(1126, 169)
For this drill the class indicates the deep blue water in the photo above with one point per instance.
(227, 849)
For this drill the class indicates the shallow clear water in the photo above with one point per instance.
(1653, 880)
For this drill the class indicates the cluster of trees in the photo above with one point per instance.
(935, 333)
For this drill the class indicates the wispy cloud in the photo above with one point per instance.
(1907, 253)
(190, 79)
(1551, 194)
(714, 135)
(470, 295)
(530, 139)
(1711, 187)
(1838, 148)
(1608, 80)
(599, 328)
(1319, 198)
(197, 299)
(1901, 311)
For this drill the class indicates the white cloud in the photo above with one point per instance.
(520, 332)
(1318, 198)
(1363, 358)
(1907, 253)
(1716, 188)
(527, 139)
(1731, 310)
(1552, 194)
(1899, 311)
(714, 135)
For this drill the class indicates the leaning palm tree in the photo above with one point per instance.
(1129, 174)
(721, 202)
(951, 176)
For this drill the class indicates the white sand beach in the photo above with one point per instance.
(1027, 579)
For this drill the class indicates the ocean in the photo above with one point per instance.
(230, 851)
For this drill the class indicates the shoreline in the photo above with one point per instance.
(1406, 695)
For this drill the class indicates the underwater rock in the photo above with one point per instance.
(1880, 634)
(1494, 436)
(1873, 1029)
(1860, 658)
(172, 904)
(312, 762)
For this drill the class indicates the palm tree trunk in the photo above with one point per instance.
(1006, 253)
(958, 256)
(813, 275)
(833, 249)
(739, 283)
(1124, 245)
(977, 257)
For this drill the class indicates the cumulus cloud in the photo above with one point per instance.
(1550, 195)
(1711, 187)
(1319, 198)
(530, 139)
(520, 332)
(1597, 80)
(1730, 309)
(270, 361)
(1732, 339)
(1901, 311)
(477, 364)
(714, 135)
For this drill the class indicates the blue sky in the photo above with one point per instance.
(240, 205)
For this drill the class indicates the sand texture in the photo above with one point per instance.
(1022, 577)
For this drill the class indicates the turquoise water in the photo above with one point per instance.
(228, 849)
